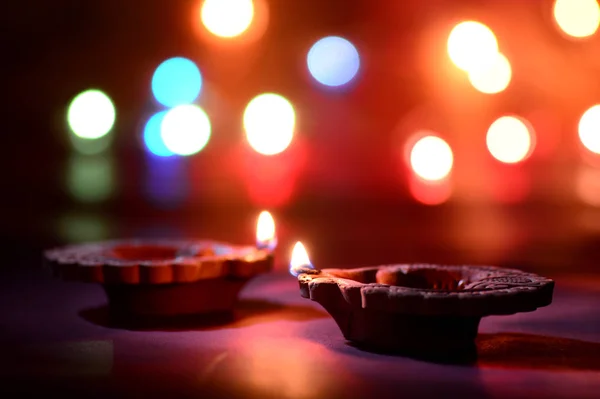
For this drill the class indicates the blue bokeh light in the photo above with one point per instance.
(176, 81)
(152, 137)
(333, 61)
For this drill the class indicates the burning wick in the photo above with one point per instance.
(265, 232)
(300, 263)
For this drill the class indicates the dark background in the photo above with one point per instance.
(342, 187)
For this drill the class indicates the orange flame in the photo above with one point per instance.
(299, 260)
(265, 231)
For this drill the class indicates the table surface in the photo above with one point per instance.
(56, 339)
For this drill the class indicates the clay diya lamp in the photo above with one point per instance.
(418, 309)
(166, 278)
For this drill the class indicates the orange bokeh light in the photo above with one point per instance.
(227, 18)
(431, 158)
(510, 139)
(577, 18)
(471, 44)
(493, 77)
(589, 129)
(221, 23)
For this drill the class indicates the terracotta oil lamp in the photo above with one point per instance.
(418, 308)
(147, 277)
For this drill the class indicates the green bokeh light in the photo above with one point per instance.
(91, 114)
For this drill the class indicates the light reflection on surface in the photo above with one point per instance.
(270, 181)
(91, 147)
(166, 182)
(91, 178)
(587, 185)
(280, 365)
(430, 192)
(83, 227)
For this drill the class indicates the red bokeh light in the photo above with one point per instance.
(270, 181)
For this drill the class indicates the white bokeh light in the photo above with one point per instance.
(431, 158)
(269, 122)
(185, 129)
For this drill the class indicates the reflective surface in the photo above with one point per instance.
(283, 346)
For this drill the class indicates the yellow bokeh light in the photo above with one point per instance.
(227, 18)
(471, 44)
(577, 18)
(91, 114)
(509, 139)
(493, 77)
(589, 129)
(431, 158)
(185, 129)
(269, 121)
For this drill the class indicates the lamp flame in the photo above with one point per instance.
(300, 260)
(265, 231)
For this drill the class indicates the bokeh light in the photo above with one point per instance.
(91, 114)
(333, 61)
(227, 18)
(153, 139)
(431, 158)
(577, 18)
(91, 179)
(269, 121)
(493, 77)
(510, 139)
(429, 192)
(589, 129)
(176, 81)
(471, 44)
(91, 147)
(185, 129)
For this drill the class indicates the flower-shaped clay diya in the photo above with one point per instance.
(420, 308)
(165, 277)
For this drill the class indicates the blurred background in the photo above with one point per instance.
(373, 131)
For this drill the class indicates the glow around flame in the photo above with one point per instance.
(265, 231)
(299, 259)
